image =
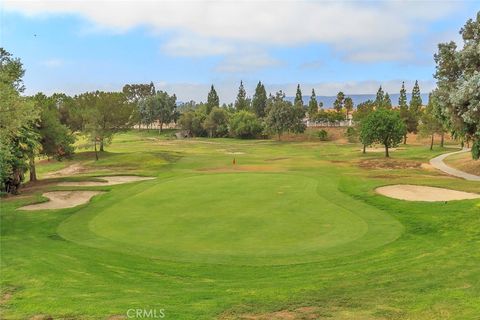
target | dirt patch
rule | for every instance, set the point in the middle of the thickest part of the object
(423, 193)
(246, 168)
(378, 150)
(71, 170)
(305, 313)
(62, 199)
(5, 298)
(386, 163)
(235, 152)
(427, 166)
(108, 181)
(41, 317)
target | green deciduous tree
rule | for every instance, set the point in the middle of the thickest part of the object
(216, 123)
(283, 116)
(360, 114)
(163, 107)
(136, 94)
(382, 126)
(363, 110)
(56, 140)
(245, 125)
(457, 74)
(106, 113)
(192, 122)
(11, 71)
(430, 124)
(18, 140)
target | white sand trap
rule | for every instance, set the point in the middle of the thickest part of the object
(63, 199)
(109, 181)
(422, 193)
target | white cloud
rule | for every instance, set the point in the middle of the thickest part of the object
(243, 62)
(189, 46)
(360, 31)
(53, 63)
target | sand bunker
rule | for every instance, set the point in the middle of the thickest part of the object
(109, 181)
(63, 199)
(73, 169)
(423, 193)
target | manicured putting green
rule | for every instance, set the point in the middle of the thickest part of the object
(237, 218)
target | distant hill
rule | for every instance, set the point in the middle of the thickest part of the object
(357, 98)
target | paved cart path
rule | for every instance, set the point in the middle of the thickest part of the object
(438, 163)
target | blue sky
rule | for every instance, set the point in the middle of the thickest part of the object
(184, 46)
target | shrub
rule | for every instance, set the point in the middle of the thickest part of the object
(245, 125)
(216, 123)
(351, 135)
(323, 135)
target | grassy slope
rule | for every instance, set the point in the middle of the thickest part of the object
(430, 272)
(464, 162)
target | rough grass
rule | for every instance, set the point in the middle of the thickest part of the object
(464, 162)
(429, 272)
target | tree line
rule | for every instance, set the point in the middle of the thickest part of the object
(453, 106)
(259, 116)
(40, 125)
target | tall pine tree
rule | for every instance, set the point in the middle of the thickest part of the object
(379, 100)
(403, 107)
(338, 103)
(415, 107)
(387, 102)
(259, 100)
(212, 100)
(312, 105)
(348, 105)
(298, 97)
(241, 103)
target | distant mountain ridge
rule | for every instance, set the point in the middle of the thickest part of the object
(357, 98)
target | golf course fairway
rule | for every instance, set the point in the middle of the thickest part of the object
(292, 230)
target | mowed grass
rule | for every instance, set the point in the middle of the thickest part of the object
(233, 218)
(292, 228)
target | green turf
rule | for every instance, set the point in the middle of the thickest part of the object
(241, 218)
(292, 225)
